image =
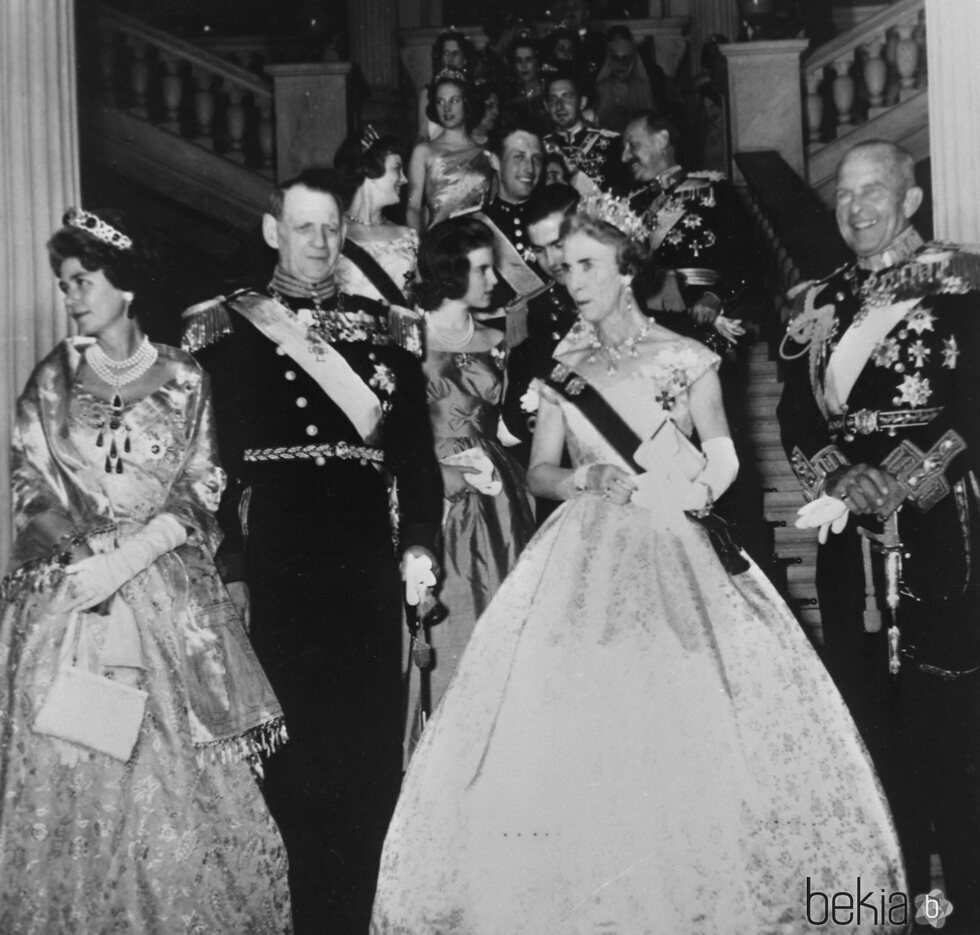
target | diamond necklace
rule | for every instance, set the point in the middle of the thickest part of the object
(118, 373)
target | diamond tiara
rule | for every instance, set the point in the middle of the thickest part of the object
(602, 206)
(94, 225)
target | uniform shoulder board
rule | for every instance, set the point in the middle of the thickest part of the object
(602, 131)
(710, 174)
(206, 323)
(407, 329)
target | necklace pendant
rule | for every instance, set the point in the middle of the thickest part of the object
(117, 402)
(126, 445)
(113, 453)
(100, 440)
(108, 465)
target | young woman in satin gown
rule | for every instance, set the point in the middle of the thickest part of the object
(484, 528)
(635, 741)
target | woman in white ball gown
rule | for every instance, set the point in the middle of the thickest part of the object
(636, 739)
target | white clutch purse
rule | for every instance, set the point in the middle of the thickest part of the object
(90, 710)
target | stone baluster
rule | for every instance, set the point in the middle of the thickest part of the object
(919, 35)
(906, 59)
(172, 89)
(814, 107)
(266, 132)
(204, 105)
(843, 88)
(875, 73)
(107, 65)
(892, 87)
(235, 124)
(139, 75)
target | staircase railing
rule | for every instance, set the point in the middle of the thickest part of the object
(175, 85)
(866, 71)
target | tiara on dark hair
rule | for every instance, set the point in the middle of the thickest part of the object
(368, 138)
(94, 225)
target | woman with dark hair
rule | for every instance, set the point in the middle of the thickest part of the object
(379, 257)
(132, 701)
(452, 172)
(525, 102)
(452, 51)
(488, 512)
(639, 737)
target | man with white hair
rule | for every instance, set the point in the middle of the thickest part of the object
(880, 418)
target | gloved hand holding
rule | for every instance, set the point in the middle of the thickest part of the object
(93, 579)
(827, 513)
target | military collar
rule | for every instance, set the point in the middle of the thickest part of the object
(902, 248)
(568, 136)
(286, 284)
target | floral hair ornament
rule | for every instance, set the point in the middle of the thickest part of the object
(94, 225)
(602, 206)
(368, 138)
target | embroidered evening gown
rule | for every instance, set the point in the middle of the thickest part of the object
(634, 741)
(398, 257)
(482, 535)
(178, 839)
(457, 181)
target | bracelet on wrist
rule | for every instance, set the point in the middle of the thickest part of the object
(708, 505)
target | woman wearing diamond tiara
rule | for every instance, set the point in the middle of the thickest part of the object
(379, 256)
(636, 739)
(488, 515)
(115, 484)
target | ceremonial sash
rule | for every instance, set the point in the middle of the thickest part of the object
(329, 370)
(374, 272)
(854, 350)
(624, 441)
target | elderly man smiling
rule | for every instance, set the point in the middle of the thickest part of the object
(880, 418)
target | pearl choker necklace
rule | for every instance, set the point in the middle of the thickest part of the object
(118, 373)
(453, 345)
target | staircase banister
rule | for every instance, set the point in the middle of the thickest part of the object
(186, 51)
(876, 24)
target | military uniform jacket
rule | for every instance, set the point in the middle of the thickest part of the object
(595, 152)
(697, 227)
(265, 402)
(911, 334)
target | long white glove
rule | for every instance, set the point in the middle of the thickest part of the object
(93, 579)
(828, 513)
(690, 487)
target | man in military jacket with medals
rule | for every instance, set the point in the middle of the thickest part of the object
(697, 230)
(317, 408)
(880, 418)
(593, 156)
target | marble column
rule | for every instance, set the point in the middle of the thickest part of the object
(952, 28)
(38, 180)
(765, 98)
(373, 27)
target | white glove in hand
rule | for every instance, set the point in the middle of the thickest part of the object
(93, 579)
(418, 577)
(827, 513)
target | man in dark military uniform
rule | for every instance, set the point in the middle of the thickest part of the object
(698, 230)
(881, 420)
(549, 316)
(317, 409)
(593, 157)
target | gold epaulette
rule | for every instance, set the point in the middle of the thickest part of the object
(407, 329)
(205, 323)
